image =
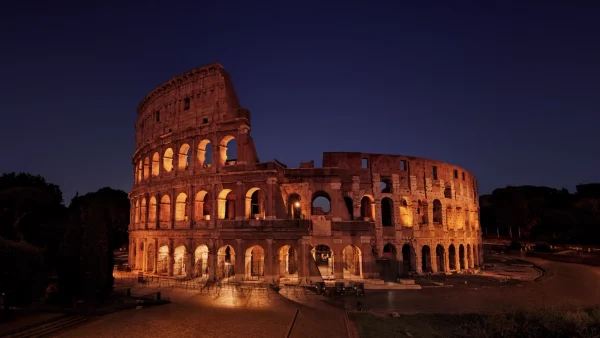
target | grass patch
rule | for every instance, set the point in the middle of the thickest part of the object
(565, 321)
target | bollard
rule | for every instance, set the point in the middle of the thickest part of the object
(158, 295)
(128, 292)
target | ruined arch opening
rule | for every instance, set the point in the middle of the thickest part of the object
(163, 260)
(226, 204)
(367, 208)
(324, 258)
(426, 258)
(201, 261)
(150, 257)
(437, 212)
(294, 206)
(408, 259)
(146, 168)
(204, 153)
(288, 262)
(405, 214)
(255, 262)
(387, 212)
(439, 254)
(153, 210)
(183, 157)
(202, 206)
(452, 257)
(225, 262)
(461, 256)
(389, 263)
(168, 160)
(228, 150)
(422, 212)
(349, 206)
(181, 207)
(321, 203)
(385, 185)
(155, 164)
(352, 262)
(447, 190)
(164, 214)
(180, 257)
(255, 204)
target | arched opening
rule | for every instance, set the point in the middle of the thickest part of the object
(447, 190)
(201, 261)
(408, 259)
(461, 256)
(349, 206)
(183, 158)
(406, 216)
(452, 257)
(294, 206)
(255, 262)
(439, 254)
(180, 207)
(321, 203)
(460, 219)
(168, 160)
(155, 164)
(179, 266)
(225, 262)
(352, 262)
(226, 204)
(136, 212)
(255, 204)
(324, 258)
(387, 212)
(163, 260)
(422, 212)
(204, 151)
(389, 268)
(202, 206)
(152, 211)
(140, 171)
(146, 168)
(385, 185)
(164, 214)
(143, 211)
(450, 218)
(288, 262)
(469, 257)
(367, 208)
(437, 212)
(228, 148)
(426, 258)
(150, 256)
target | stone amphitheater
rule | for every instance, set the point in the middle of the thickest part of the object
(204, 206)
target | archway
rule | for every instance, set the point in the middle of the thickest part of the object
(321, 203)
(426, 258)
(406, 216)
(163, 260)
(152, 211)
(324, 258)
(180, 207)
(228, 149)
(225, 262)
(387, 212)
(146, 168)
(143, 211)
(204, 155)
(168, 160)
(452, 257)
(202, 206)
(439, 254)
(179, 262)
(469, 257)
(461, 256)
(136, 212)
(164, 214)
(450, 218)
(155, 164)
(201, 261)
(408, 259)
(150, 257)
(183, 160)
(437, 212)
(367, 208)
(226, 204)
(352, 262)
(255, 262)
(288, 262)
(349, 206)
(294, 206)
(389, 263)
(255, 204)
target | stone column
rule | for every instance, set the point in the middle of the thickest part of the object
(145, 255)
(465, 258)
(303, 271)
(271, 181)
(240, 204)
(457, 257)
(240, 261)
(419, 259)
(171, 258)
(193, 155)
(269, 275)
(447, 259)
(172, 205)
(157, 211)
(191, 206)
(212, 260)
(338, 259)
(155, 265)
(433, 258)
(472, 262)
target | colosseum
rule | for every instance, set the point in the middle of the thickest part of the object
(205, 206)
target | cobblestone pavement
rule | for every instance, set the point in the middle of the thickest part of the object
(563, 283)
(249, 312)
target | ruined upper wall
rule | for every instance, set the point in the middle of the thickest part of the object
(195, 98)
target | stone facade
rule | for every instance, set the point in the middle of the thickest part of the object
(198, 212)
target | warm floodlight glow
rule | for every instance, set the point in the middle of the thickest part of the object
(297, 204)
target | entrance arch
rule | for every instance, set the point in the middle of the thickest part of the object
(179, 265)
(201, 261)
(367, 208)
(352, 262)
(255, 262)
(225, 262)
(387, 212)
(426, 258)
(389, 268)
(294, 206)
(408, 259)
(439, 254)
(150, 257)
(324, 258)
(255, 204)
(163, 260)
(461, 256)
(226, 204)
(288, 262)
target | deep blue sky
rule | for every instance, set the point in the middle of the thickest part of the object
(509, 91)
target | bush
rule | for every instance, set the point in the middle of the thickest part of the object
(542, 247)
(514, 245)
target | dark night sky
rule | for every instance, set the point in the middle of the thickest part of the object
(509, 91)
